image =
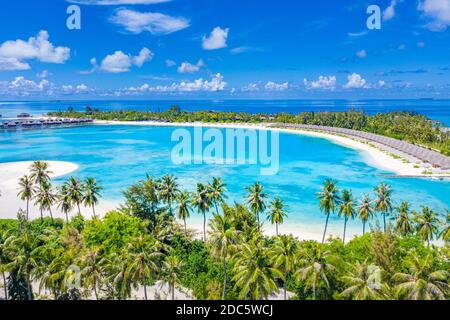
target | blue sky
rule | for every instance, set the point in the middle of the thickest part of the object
(196, 49)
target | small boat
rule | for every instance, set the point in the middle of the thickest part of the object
(24, 115)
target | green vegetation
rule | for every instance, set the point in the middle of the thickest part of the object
(142, 242)
(408, 126)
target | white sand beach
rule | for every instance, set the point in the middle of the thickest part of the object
(10, 173)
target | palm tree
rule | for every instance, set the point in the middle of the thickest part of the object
(217, 192)
(363, 282)
(365, 211)
(184, 207)
(40, 172)
(277, 213)
(75, 191)
(4, 260)
(144, 261)
(283, 254)
(26, 191)
(422, 283)
(172, 267)
(427, 224)
(92, 191)
(255, 200)
(114, 266)
(168, 190)
(347, 209)
(329, 199)
(55, 275)
(383, 202)
(45, 198)
(202, 202)
(91, 271)
(65, 203)
(21, 249)
(445, 234)
(254, 272)
(403, 223)
(222, 236)
(315, 268)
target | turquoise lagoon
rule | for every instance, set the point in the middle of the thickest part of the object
(120, 155)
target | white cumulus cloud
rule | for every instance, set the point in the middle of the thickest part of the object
(187, 67)
(23, 87)
(82, 88)
(217, 83)
(355, 81)
(153, 22)
(389, 12)
(323, 83)
(273, 86)
(438, 11)
(119, 62)
(144, 56)
(216, 40)
(170, 63)
(361, 54)
(15, 53)
(9, 64)
(250, 87)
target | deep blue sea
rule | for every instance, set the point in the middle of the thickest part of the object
(435, 109)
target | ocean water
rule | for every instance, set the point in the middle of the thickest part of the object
(119, 155)
(435, 109)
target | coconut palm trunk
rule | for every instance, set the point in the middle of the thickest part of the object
(204, 226)
(224, 276)
(364, 227)
(257, 219)
(276, 227)
(4, 286)
(314, 292)
(78, 206)
(326, 226)
(28, 207)
(345, 229)
(30, 288)
(185, 227)
(145, 289)
(173, 291)
(384, 221)
(93, 210)
(51, 214)
(42, 215)
(95, 288)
